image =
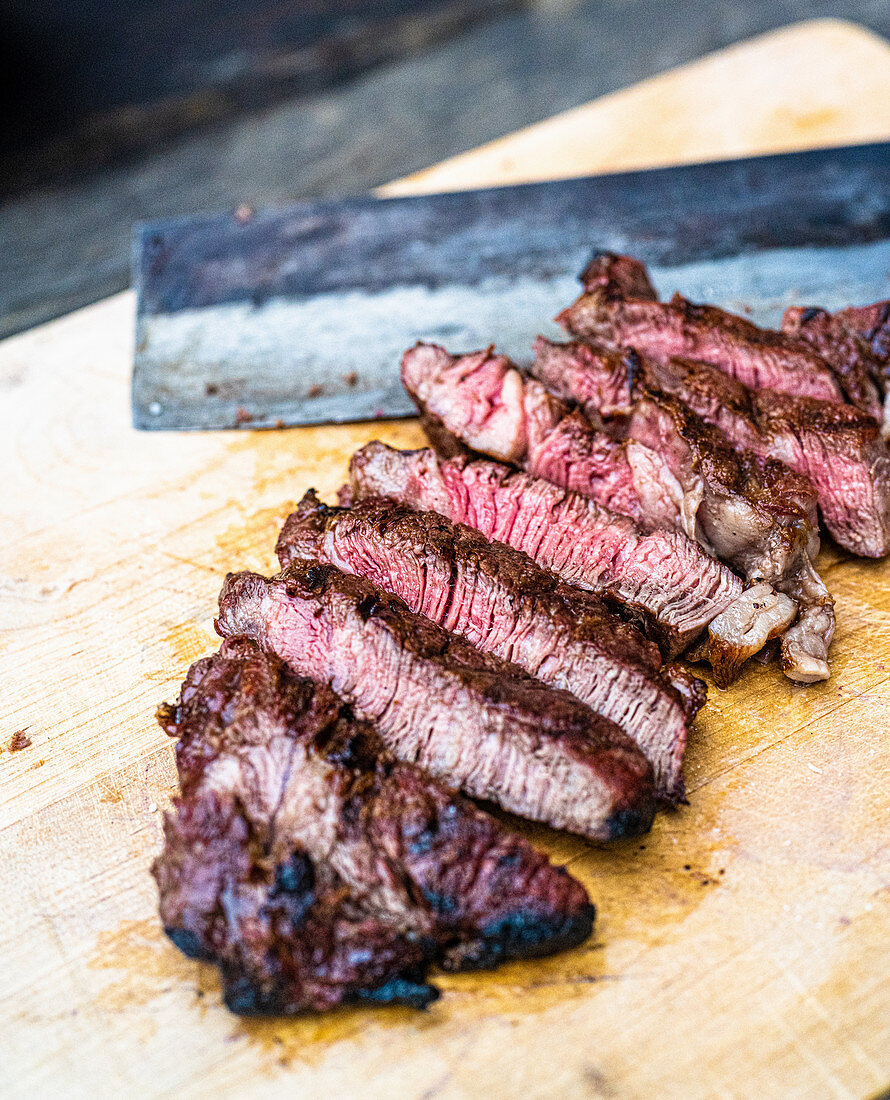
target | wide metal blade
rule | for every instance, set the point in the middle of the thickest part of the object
(299, 315)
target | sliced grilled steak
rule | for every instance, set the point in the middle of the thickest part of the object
(755, 513)
(610, 312)
(665, 467)
(286, 939)
(752, 511)
(480, 404)
(672, 470)
(315, 868)
(471, 719)
(596, 378)
(664, 574)
(501, 602)
(849, 356)
(871, 324)
(837, 447)
(625, 392)
(858, 340)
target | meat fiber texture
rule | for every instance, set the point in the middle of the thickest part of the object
(664, 467)
(751, 510)
(502, 603)
(472, 720)
(480, 403)
(316, 869)
(837, 447)
(619, 308)
(490, 408)
(661, 580)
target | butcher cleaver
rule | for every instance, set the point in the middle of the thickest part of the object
(299, 315)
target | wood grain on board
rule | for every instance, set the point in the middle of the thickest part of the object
(740, 948)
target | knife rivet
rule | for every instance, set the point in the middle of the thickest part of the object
(155, 408)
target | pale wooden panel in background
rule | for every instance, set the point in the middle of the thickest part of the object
(824, 82)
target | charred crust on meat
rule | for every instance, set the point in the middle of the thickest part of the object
(189, 943)
(523, 934)
(404, 990)
(442, 903)
(329, 922)
(599, 260)
(632, 821)
(293, 887)
(315, 578)
(368, 607)
(166, 716)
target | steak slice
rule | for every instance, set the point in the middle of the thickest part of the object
(848, 355)
(752, 511)
(314, 868)
(869, 326)
(872, 324)
(625, 392)
(672, 470)
(472, 720)
(286, 940)
(480, 404)
(663, 574)
(595, 378)
(502, 603)
(609, 312)
(839, 448)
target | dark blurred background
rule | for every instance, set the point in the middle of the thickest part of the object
(115, 112)
(91, 83)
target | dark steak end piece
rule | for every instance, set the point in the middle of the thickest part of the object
(664, 574)
(501, 602)
(285, 939)
(611, 313)
(470, 719)
(314, 868)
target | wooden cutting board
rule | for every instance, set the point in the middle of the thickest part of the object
(741, 948)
